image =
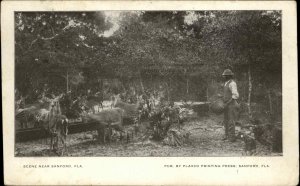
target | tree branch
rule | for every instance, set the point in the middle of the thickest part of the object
(54, 35)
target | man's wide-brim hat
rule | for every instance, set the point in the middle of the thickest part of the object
(227, 72)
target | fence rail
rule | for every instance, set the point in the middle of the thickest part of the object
(23, 135)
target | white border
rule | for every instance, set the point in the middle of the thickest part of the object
(148, 170)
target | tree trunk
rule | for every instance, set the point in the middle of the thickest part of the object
(168, 91)
(187, 85)
(270, 104)
(141, 82)
(249, 91)
(101, 87)
(245, 92)
(67, 81)
(207, 99)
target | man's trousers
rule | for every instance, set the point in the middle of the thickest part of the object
(230, 117)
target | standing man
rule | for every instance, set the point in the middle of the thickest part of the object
(231, 106)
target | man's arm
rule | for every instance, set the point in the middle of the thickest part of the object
(234, 92)
(233, 89)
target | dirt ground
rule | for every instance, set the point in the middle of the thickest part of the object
(205, 140)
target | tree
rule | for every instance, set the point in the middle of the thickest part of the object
(54, 46)
(60, 48)
(243, 40)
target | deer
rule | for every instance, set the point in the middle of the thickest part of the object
(21, 115)
(95, 100)
(130, 110)
(107, 119)
(55, 123)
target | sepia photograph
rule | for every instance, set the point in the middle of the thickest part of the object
(148, 83)
(150, 93)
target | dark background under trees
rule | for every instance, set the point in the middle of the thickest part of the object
(150, 51)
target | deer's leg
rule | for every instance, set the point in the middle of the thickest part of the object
(55, 144)
(101, 134)
(26, 120)
(59, 139)
(52, 142)
(64, 143)
(23, 124)
(121, 136)
(46, 139)
(132, 135)
(109, 133)
(104, 135)
(127, 137)
(136, 125)
(65, 140)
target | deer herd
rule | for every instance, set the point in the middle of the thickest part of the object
(108, 120)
